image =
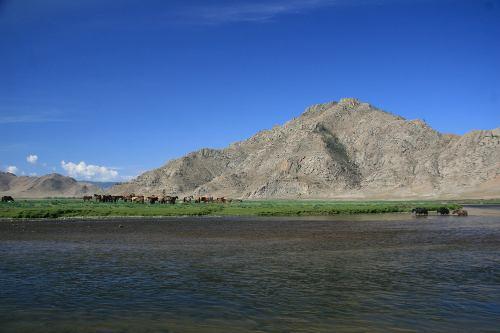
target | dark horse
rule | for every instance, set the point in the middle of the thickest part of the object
(420, 211)
(443, 211)
(171, 200)
(7, 198)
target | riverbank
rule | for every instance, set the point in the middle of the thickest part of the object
(66, 208)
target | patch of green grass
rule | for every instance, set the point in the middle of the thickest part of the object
(55, 208)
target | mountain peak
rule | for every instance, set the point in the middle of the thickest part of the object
(349, 102)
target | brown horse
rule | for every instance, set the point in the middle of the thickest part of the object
(460, 212)
(128, 198)
(205, 199)
(87, 198)
(139, 199)
(119, 197)
(152, 199)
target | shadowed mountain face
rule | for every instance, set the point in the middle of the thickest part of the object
(347, 149)
(52, 185)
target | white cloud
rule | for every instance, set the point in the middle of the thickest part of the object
(253, 11)
(42, 117)
(86, 171)
(32, 158)
(12, 169)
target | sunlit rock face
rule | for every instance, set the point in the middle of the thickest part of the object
(345, 149)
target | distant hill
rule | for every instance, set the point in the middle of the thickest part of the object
(345, 149)
(51, 185)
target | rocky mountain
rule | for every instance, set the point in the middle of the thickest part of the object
(52, 185)
(345, 149)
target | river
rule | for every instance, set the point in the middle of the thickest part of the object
(376, 273)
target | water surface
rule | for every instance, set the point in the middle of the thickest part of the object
(378, 273)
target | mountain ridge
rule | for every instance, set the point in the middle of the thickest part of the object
(50, 185)
(345, 149)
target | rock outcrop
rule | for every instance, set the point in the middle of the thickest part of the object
(347, 149)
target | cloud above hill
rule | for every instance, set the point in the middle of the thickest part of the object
(32, 159)
(86, 171)
(12, 169)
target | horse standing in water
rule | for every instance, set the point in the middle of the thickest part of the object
(420, 211)
(460, 212)
(443, 211)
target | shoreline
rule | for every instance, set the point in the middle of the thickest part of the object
(180, 217)
(64, 209)
(474, 211)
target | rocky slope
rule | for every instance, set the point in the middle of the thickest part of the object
(347, 149)
(52, 185)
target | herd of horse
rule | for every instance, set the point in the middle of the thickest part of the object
(418, 211)
(421, 211)
(153, 199)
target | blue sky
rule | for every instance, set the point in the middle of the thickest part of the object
(113, 88)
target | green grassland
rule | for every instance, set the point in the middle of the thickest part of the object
(56, 208)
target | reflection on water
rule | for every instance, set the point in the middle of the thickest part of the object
(344, 274)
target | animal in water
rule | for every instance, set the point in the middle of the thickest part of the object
(460, 212)
(87, 198)
(7, 198)
(443, 211)
(420, 211)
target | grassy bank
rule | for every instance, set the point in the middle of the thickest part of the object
(54, 208)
